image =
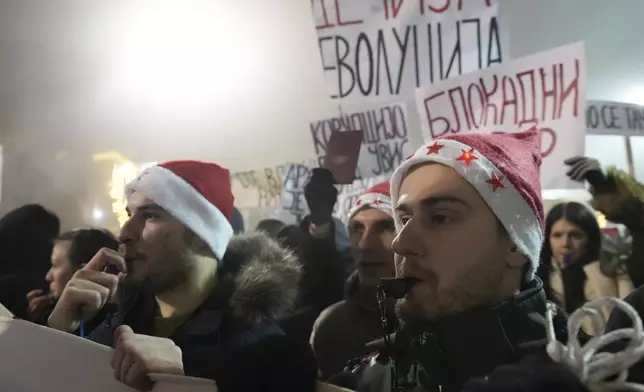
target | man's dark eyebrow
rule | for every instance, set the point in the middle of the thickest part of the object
(148, 208)
(434, 200)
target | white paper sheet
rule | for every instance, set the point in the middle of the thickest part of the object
(39, 359)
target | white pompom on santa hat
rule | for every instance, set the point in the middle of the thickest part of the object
(198, 194)
(378, 197)
(504, 170)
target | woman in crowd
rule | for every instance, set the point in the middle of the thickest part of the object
(570, 267)
(71, 251)
(26, 238)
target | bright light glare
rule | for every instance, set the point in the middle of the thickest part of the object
(634, 94)
(97, 214)
(178, 56)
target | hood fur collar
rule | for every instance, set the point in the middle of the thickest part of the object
(262, 278)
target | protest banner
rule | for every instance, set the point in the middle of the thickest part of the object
(387, 48)
(294, 203)
(546, 90)
(619, 119)
(614, 118)
(385, 143)
(296, 175)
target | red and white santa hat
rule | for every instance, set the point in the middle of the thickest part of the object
(377, 197)
(198, 194)
(504, 169)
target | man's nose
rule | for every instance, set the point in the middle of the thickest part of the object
(405, 244)
(128, 232)
(368, 240)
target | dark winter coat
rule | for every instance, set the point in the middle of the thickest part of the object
(342, 330)
(325, 270)
(534, 373)
(257, 285)
(446, 355)
(619, 320)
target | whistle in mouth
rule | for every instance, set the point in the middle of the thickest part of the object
(397, 287)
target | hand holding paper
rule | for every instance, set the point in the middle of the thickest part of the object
(137, 356)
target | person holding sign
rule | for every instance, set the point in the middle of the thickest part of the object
(470, 226)
(181, 276)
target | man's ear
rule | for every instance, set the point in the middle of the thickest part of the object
(516, 259)
(197, 245)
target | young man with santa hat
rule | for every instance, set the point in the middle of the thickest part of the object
(469, 221)
(187, 293)
(342, 330)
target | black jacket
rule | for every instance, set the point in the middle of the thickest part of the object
(257, 285)
(618, 320)
(446, 355)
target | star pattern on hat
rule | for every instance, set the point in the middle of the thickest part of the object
(359, 203)
(434, 148)
(378, 202)
(467, 157)
(411, 156)
(496, 182)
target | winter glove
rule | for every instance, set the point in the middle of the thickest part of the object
(321, 195)
(585, 169)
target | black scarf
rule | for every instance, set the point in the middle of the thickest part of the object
(574, 281)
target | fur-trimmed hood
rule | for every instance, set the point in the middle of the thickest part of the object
(261, 278)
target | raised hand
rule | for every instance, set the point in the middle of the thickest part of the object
(87, 292)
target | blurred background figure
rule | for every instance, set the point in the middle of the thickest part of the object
(570, 260)
(270, 227)
(26, 239)
(71, 251)
(237, 222)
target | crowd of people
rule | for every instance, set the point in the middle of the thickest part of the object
(446, 282)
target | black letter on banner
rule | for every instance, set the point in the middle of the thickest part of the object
(364, 40)
(403, 50)
(400, 125)
(609, 117)
(573, 88)
(325, 67)
(494, 38)
(382, 50)
(456, 54)
(592, 117)
(319, 143)
(343, 65)
(389, 131)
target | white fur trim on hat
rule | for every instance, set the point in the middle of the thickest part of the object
(185, 203)
(374, 200)
(505, 201)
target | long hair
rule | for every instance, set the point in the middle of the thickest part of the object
(573, 276)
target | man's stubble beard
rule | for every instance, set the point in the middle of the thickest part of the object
(167, 273)
(476, 287)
